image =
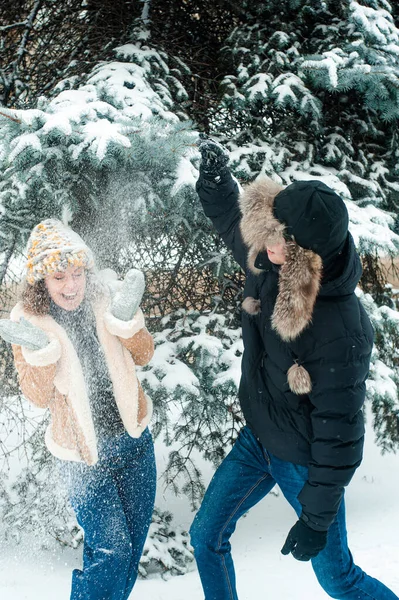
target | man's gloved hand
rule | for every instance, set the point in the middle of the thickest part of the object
(214, 157)
(126, 300)
(23, 333)
(304, 542)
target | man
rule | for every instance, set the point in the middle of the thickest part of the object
(307, 346)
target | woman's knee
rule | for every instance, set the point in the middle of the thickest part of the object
(116, 552)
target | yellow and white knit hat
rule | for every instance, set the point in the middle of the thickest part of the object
(52, 247)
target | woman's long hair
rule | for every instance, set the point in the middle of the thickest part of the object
(36, 299)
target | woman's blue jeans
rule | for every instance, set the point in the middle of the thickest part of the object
(113, 502)
(246, 476)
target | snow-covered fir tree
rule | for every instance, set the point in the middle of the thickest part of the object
(193, 381)
(318, 89)
(382, 388)
(44, 41)
(167, 548)
(115, 126)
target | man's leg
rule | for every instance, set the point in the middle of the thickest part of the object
(334, 567)
(239, 483)
(338, 574)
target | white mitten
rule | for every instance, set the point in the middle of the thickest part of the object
(23, 333)
(126, 300)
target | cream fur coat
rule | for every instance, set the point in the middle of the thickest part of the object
(53, 378)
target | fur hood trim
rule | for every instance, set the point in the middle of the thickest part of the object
(298, 286)
(300, 275)
(258, 225)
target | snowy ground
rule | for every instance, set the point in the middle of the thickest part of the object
(373, 526)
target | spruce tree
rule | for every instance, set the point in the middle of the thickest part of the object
(44, 41)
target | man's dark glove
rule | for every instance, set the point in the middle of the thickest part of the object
(214, 157)
(304, 542)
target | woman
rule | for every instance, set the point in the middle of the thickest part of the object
(75, 357)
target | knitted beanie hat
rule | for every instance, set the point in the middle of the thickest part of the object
(52, 247)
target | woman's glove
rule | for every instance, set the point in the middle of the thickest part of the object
(214, 157)
(127, 299)
(23, 333)
(304, 542)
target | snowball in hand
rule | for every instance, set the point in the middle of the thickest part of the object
(23, 333)
(127, 299)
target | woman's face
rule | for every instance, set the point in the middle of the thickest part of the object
(276, 253)
(67, 288)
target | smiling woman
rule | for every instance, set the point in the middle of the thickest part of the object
(76, 353)
(67, 288)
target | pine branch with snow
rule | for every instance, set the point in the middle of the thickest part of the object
(383, 382)
(167, 549)
(120, 127)
(193, 382)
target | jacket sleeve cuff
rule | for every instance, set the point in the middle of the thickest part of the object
(315, 526)
(124, 329)
(44, 357)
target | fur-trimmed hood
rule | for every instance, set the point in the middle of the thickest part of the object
(311, 212)
(300, 276)
(258, 225)
(319, 217)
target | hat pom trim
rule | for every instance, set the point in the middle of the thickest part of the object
(251, 306)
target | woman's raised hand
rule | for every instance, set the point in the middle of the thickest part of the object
(23, 333)
(127, 299)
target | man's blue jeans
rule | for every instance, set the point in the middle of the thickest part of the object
(246, 475)
(113, 502)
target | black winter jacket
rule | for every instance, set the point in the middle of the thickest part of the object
(324, 429)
